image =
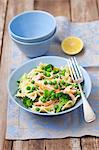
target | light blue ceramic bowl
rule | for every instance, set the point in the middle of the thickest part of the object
(34, 49)
(32, 26)
(26, 67)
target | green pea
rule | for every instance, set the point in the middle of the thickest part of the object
(37, 109)
(56, 76)
(61, 88)
(56, 106)
(50, 82)
(54, 82)
(56, 86)
(36, 73)
(37, 87)
(49, 69)
(43, 100)
(75, 85)
(63, 72)
(33, 82)
(58, 94)
(33, 88)
(67, 84)
(63, 82)
(43, 67)
(45, 82)
(55, 71)
(53, 94)
(52, 97)
(28, 87)
(60, 85)
(47, 98)
(47, 74)
(18, 81)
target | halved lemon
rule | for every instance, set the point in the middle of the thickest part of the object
(72, 45)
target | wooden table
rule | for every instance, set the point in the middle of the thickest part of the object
(76, 10)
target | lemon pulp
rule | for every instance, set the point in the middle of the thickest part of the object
(72, 45)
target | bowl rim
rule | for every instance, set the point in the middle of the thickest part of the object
(37, 40)
(32, 43)
(46, 114)
(28, 12)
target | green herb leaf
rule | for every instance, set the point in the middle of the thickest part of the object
(49, 68)
(27, 102)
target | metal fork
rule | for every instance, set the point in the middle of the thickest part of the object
(77, 77)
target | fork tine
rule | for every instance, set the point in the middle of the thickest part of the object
(68, 62)
(74, 74)
(75, 68)
(78, 67)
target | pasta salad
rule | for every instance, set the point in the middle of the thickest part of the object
(48, 89)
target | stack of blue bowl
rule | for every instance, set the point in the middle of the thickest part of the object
(33, 32)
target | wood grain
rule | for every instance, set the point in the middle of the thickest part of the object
(89, 143)
(56, 7)
(63, 144)
(97, 2)
(36, 145)
(20, 145)
(3, 8)
(83, 10)
(7, 145)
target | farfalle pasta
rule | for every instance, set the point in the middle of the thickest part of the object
(48, 89)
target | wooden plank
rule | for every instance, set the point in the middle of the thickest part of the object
(84, 10)
(97, 2)
(20, 145)
(75, 143)
(7, 145)
(36, 145)
(89, 143)
(56, 7)
(63, 144)
(3, 7)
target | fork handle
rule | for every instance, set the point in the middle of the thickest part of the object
(89, 114)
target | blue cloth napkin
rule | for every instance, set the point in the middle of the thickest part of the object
(24, 125)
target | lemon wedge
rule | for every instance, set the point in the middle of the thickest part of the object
(72, 45)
